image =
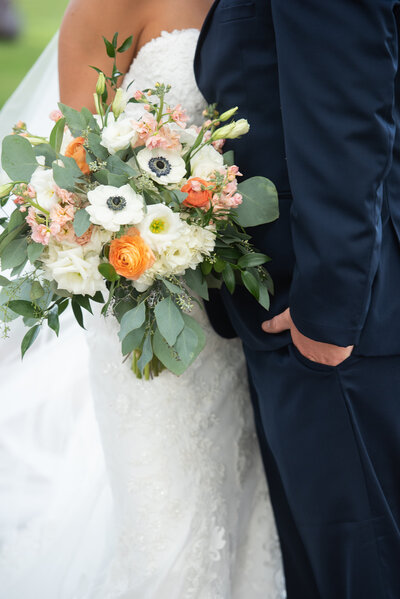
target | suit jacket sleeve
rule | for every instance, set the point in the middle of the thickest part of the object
(337, 62)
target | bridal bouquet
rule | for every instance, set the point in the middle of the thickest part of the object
(141, 215)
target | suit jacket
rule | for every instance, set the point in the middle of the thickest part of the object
(318, 81)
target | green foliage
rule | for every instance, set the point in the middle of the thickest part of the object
(133, 340)
(14, 253)
(75, 120)
(251, 283)
(34, 251)
(18, 158)
(260, 202)
(228, 276)
(147, 353)
(252, 259)
(169, 320)
(108, 271)
(133, 319)
(47, 152)
(81, 222)
(57, 135)
(196, 281)
(29, 339)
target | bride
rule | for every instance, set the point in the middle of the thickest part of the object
(191, 509)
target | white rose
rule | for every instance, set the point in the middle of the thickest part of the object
(160, 226)
(45, 187)
(74, 268)
(112, 206)
(118, 135)
(206, 161)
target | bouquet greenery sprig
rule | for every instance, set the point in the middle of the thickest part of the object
(132, 208)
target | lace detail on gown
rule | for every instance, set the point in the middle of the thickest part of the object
(191, 502)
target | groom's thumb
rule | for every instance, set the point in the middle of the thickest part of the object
(279, 323)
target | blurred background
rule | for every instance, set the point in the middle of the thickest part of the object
(26, 27)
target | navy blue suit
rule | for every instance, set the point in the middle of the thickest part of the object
(319, 82)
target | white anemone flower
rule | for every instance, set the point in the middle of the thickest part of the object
(112, 206)
(164, 166)
(44, 185)
(160, 227)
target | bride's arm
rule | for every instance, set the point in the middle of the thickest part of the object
(81, 44)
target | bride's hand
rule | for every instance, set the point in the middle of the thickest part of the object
(81, 44)
(316, 351)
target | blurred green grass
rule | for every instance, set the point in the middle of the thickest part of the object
(40, 19)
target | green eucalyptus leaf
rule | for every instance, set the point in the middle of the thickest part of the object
(16, 220)
(34, 251)
(260, 202)
(18, 158)
(37, 291)
(24, 308)
(81, 222)
(133, 319)
(14, 253)
(133, 340)
(47, 152)
(29, 339)
(195, 280)
(147, 353)
(95, 146)
(169, 320)
(4, 281)
(17, 270)
(119, 167)
(186, 345)
(172, 287)
(57, 135)
(229, 158)
(75, 120)
(101, 176)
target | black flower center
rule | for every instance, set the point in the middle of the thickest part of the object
(160, 166)
(116, 203)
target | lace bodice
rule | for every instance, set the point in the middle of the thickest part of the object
(168, 59)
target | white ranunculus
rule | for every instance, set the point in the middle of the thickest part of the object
(187, 250)
(164, 166)
(118, 135)
(74, 268)
(112, 206)
(206, 161)
(44, 185)
(160, 227)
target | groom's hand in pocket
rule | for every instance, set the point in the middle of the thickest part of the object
(316, 351)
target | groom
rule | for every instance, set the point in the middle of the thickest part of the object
(318, 81)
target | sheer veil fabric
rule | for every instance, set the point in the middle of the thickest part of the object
(178, 506)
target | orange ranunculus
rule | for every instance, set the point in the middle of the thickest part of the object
(76, 151)
(130, 255)
(197, 198)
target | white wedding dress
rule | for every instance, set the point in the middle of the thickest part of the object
(189, 515)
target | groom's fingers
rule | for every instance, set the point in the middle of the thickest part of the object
(281, 322)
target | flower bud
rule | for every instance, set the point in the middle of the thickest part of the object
(6, 189)
(101, 84)
(98, 105)
(119, 103)
(225, 116)
(231, 131)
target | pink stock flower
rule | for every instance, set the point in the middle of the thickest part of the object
(62, 214)
(40, 234)
(138, 95)
(62, 232)
(147, 107)
(56, 115)
(218, 144)
(19, 201)
(31, 217)
(65, 196)
(147, 126)
(85, 238)
(178, 115)
(30, 192)
(165, 138)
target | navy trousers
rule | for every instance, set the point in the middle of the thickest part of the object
(330, 440)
